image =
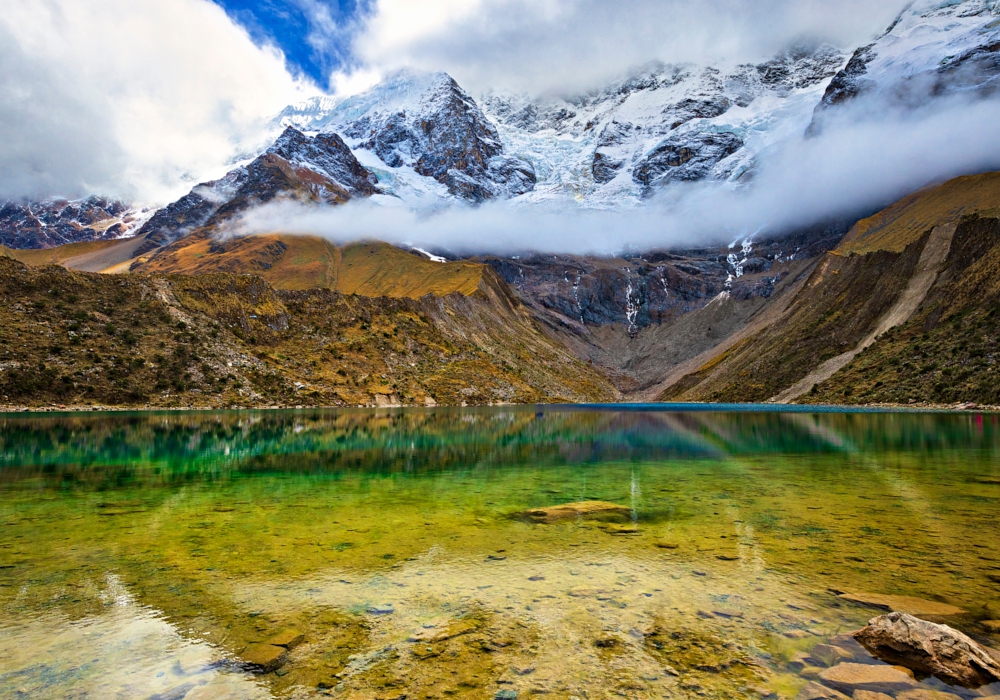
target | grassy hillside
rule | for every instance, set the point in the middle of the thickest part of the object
(307, 262)
(948, 351)
(921, 263)
(57, 255)
(213, 340)
(905, 222)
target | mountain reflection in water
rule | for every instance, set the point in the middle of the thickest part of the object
(389, 553)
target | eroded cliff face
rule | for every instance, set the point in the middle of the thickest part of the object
(652, 289)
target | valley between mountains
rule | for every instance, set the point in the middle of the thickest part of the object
(901, 310)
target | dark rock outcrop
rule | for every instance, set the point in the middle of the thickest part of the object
(930, 649)
(685, 157)
(318, 169)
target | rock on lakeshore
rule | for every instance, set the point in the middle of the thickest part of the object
(932, 649)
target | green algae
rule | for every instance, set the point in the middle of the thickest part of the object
(209, 533)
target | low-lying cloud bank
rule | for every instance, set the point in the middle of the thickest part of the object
(863, 161)
(567, 46)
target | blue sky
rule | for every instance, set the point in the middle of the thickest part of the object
(313, 34)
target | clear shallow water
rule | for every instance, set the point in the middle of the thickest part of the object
(143, 555)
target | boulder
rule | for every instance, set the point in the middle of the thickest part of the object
(931, 649)
(849, 677)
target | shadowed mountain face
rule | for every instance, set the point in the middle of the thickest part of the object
(319, 169)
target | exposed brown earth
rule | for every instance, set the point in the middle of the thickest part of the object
(72, 338)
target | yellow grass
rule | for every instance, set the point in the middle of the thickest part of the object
(906, 221)
(307, 262)
(59, 254)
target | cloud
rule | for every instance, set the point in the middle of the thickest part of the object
(132, 99)
(863, 161)
(573, 45)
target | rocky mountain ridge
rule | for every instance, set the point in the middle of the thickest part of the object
(314, 169)
(426, 124)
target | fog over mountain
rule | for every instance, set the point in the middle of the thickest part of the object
(499, 125)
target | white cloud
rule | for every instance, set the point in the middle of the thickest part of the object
(863, 161)
(132, 99)
(569, 45)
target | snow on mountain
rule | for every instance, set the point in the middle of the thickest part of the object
(427, 124)
(936, 48)
(667, 123)
(614, 147)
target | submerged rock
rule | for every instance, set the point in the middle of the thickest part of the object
(926, 694)
(266, 657)
(432, 635)
(932, 649)
(849, 677)
(288, 638)
(815, 691)
(582, 509)
(870, 695)
(903, 604)
(829, 654)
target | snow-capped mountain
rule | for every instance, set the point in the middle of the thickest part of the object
(937, 48)
(429, 143)
(426, 124)
(608, 148)
(59, 221)
(668, 123)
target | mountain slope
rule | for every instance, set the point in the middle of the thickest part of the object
(319, 169)
(898, 269)
(222, 340)
(947, 351)
(306, 262)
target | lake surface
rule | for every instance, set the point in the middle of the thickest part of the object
(362, 554)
